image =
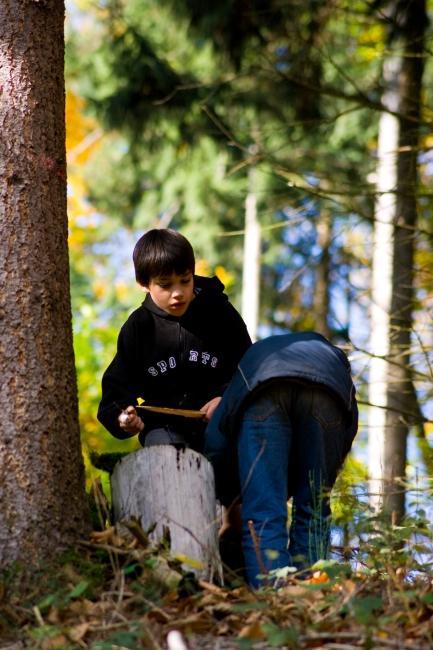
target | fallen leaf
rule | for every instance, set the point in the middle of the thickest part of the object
(189, 561)
(78, 632)
(53, 616)
(198, 623)
(252, 631)
(208, 586)
(71, 573)
(107, 536)
(58, 641)
(317, 578)
(223, 629)
(348, 586)
(295, 591)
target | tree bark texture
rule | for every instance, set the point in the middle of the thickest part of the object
(175, 490)
(42, 497)
(400, 394)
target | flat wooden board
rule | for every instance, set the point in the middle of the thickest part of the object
(184, 413)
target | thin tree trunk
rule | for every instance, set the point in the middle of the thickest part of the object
(42, 497)
(321, 293)
(251, 259)
(400, 391)
(393, 275)
(381, 281)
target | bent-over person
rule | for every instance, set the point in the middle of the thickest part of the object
(282, 430)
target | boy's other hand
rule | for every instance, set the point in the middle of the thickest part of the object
(209, 408)
(130, 422)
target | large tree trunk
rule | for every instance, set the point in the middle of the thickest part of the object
(42, 497)
(392, 290)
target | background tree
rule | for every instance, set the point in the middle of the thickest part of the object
(43, 507)
(391, 373)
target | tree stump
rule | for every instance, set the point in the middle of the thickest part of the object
(172, 489)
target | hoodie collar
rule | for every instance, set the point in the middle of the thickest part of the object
(153, 307)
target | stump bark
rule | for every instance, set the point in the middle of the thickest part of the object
(172, 489)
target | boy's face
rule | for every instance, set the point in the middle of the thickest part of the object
(172, 293)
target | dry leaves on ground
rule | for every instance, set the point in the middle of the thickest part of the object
(121, 593)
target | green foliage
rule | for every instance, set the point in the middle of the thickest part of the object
(278, 637)
(345, 501)
(365, 609)
(184, 150)
(123, 638)
(177, 159)
(63, 597)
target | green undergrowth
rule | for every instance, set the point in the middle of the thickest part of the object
(116, 591)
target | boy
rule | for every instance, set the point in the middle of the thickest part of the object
(179, 349)
(284, 426)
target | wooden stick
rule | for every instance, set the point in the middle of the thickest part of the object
(185, 413)
(256, 544)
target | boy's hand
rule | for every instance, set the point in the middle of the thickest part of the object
(209, 408)
(130, 422)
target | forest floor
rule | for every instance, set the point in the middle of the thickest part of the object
(116, 592)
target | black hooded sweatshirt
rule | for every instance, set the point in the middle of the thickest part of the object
(180, 362)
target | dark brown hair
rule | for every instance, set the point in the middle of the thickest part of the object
(162, 252)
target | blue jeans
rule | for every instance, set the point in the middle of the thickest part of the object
(292, 442)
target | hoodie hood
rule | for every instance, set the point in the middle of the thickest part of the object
(202, 284)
